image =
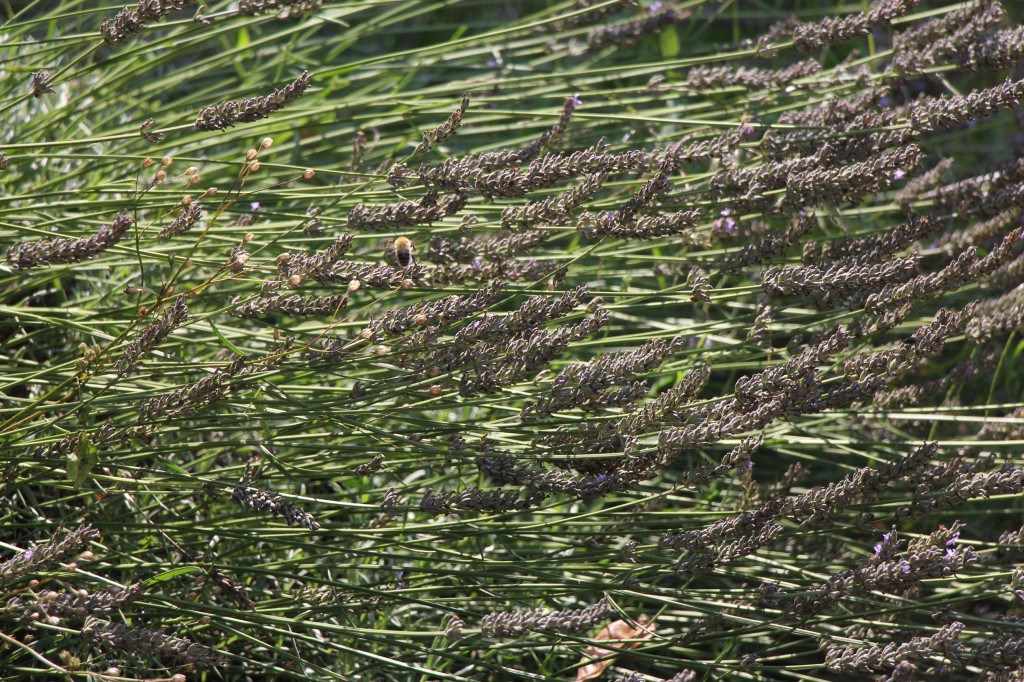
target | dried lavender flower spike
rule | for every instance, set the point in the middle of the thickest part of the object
(288, 9)
(442, 132)
(263, 501)
(24, 255)
(63, 544)
(152, 336)
(131, 20)
(183, 223)
(505, 624)
(227, 114)
(126, 639)
(42, 83)
(629, 32)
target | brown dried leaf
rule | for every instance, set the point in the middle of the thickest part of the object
(619, 629)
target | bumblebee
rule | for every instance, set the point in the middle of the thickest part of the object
(403, 251)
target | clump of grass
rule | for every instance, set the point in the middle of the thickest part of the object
(662, 342)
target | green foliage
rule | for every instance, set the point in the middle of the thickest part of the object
(268, 478)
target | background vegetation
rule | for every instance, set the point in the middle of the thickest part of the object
(250, 447)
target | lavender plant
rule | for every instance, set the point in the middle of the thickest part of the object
(658, 341)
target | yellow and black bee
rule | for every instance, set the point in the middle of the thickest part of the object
(403, 251)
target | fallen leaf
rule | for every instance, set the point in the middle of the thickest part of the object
(619, 629)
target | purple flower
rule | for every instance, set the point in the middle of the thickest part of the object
(746, 130)
(884, 102)
(398, 580)
(886, 537)
(492, 63)
(953, 538)
(898, 174)
(254, 206)
(27, 556)
(655, 7)
(477, 264)
(905, 568)
(575, 99)
(725, 212)
(725, 225)
(973, 122)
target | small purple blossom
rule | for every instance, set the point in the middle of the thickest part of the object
(953, 538)
(905, 568)
(724, 226)
(254, 206)
(886, 538)
(398, 580)
(746, 130)
(950, 553)
(493, 63)
(898, 174)
(884, 102)
(655, 7)
(575, 100)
